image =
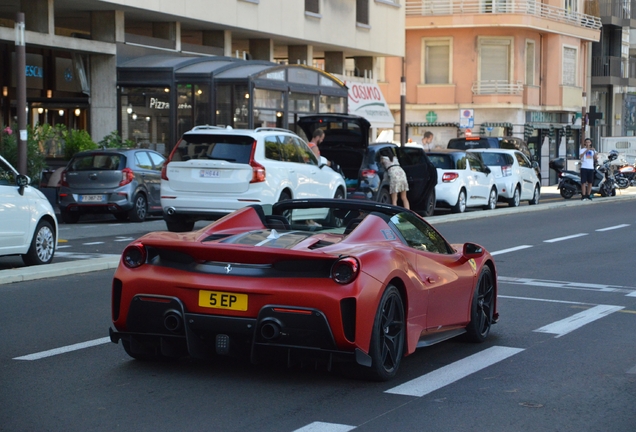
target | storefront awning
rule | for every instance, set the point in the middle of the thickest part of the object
(433, 124)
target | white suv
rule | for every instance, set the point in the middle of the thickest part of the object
(213, 171)
(28, 226)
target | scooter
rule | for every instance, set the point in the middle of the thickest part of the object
(570, 181)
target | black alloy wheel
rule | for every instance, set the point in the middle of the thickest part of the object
(482, 307)
(388, 336)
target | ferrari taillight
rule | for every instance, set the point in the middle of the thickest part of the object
(134, 255)
(449, 177)
(345, 270)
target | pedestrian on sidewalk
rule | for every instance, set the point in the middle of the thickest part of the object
(588, 156)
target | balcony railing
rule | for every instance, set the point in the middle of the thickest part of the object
(607, 66)
(618, 8)
(527, 7)
(497, 87)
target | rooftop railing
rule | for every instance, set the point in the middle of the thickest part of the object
(505, 87)
(527, 7)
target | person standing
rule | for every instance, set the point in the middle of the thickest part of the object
(398, 183)
(588, 157)
(427, 141)
(316, 138)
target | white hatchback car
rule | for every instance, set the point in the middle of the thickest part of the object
(515, 175)
(28, 226)
(463, 180)
(213, 171)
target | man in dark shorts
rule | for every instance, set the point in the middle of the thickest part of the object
(588, 157)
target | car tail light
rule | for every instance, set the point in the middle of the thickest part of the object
(368, 173)
(258, 172)
(134, 255)
(127, 175)
(63, 180)
(506, 170)
(449, 177)
(345, 270)
(164, 172)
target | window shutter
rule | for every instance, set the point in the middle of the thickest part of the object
(312, 6)
(529, 63)
(437, 64)
(495, 62)
(362, 11)
(569, 66)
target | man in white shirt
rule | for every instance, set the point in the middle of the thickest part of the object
(588, 156)
(427, 141)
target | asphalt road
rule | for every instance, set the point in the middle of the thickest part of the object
(562, 357)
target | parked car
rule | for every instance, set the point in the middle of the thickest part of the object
(346, 142)
(28, 226)
(123, 182)
(368, 283)
(515, 175)
(507, 142)
(213, 171)
(463, 180)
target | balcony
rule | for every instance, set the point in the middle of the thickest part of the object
(608, 70)
(524, 13)
(497, 87)
(617, 12)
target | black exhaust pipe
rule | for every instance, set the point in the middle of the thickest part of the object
(172, 320)
(270, 329)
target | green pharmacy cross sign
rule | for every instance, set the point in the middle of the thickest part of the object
(431, 117)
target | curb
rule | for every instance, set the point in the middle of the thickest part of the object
(96, 264)
(57, 269)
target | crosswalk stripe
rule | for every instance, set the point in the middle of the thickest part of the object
(325, 427)
(567, 325)
(454, 372)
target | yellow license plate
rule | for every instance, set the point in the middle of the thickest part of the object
(223, 300)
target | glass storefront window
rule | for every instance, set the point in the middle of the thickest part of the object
(146, 116)
(302, 103)
(193, 106)
(268, 99)
(332, 104)
(240, 106)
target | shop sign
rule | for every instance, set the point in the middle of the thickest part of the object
(366, 100)
(34, 71)
(543, 117)
(155, 103)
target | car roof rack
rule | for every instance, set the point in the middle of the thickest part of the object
(261, 129)
(207, 127)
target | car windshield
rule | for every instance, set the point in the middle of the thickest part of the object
(97, 161)
(442, 161)
(231, 148)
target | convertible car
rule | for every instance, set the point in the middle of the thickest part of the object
(327, 279)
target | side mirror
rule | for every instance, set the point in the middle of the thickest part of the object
(472, 250)
(487, 170)
(322, 162)
(22, 181)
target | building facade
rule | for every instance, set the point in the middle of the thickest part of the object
(74, 47)
(503, 67)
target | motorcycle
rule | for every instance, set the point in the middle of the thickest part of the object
(570, 181)
(626, 176)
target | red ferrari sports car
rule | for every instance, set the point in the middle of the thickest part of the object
(328, 279)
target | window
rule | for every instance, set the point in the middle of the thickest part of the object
(379, 70)
(530, 62)
(569, 66)
(142, 160)
(362, 12)
(7, 176)
(437, 61)
(312, 6)
(494, 59)
(419, 235)
(157, 161)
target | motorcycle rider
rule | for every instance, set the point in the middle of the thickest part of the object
(588, 156)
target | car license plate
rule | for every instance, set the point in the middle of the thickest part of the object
(223, 300)
(208, 173)
(92, 198)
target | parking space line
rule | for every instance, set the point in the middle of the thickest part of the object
(516, 248)
(325, 427)
(567, 325)
(64, 349)
(454, 372)
(93, 243)
(612, 227)
(558, 239)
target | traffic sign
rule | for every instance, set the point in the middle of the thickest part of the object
(466, 118)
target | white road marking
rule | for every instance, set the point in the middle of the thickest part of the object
(64, 349)
(544, 300)
(92, 243)
(62, 247)
(632, 370)
(124, 239)
(503, 251)
(567, 325)
(454, 372)
(325, 427)
(629, 291)
(558, 239)
(613, 227)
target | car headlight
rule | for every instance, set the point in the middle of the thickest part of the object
(345, 270)
(134, 255)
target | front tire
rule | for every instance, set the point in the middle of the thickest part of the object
(388, 336)
(482, 308)
(429, 204)
(42, 246)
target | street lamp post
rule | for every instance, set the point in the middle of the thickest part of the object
(20, 73)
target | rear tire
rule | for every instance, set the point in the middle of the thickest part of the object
(536, 196)
(460, 207)
(516, 198)
(140, 208)
(429, 204)
(384, 197)
(482, 307)
(492, 200)
(566, 193)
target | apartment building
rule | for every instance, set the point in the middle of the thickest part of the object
(504, 67)
(76, 49)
